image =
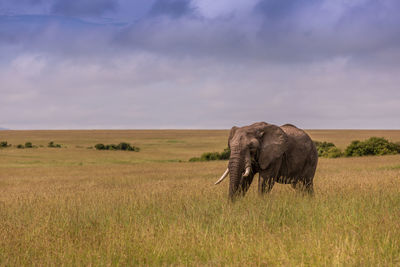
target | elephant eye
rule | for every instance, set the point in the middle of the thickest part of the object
(253, 146)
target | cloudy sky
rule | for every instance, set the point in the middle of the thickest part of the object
(199, 63)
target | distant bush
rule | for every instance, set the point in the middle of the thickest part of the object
(28, 145)
(121, 146)
(208, 156)
(127, 147)
(4, 144)
(333, 152)
(372, 146)
(100, 147)
(51, 144)
(225, 154)
(327, 150)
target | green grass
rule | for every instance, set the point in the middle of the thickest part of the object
(77, 206)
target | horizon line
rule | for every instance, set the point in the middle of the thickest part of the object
(188, 129)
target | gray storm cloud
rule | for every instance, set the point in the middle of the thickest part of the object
(198, 64)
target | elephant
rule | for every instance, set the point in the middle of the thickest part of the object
(284, 154)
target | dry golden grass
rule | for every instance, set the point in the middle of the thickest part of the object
(78, 206)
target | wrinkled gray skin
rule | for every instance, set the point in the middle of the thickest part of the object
(285, 155)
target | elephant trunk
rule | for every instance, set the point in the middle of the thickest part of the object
(236, 169)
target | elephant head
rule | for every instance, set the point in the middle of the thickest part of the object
(253, 148)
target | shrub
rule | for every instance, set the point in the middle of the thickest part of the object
(207, 156)
(20, 146)
(210, 156)
(333, 152)
(51, 144)
(4, 144)
(100, 146)
(327, 150)
(121, 146)
(397, 147)
(372, 146)
(225, 154)
(124, 146)
(127, 147)
(28, 145)
(111, 147)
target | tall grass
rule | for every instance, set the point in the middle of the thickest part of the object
(119, 209)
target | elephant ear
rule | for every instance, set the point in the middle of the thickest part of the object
(231, 134)
(274, 142)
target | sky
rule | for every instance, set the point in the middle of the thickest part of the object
(199, 64)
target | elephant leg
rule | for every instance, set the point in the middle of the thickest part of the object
(299, 186)
(308, 186)
(269, 176)
(295, 185)
(265, 183)
(270, 183)
(308, 174)
(246, 183)
(304, 186)
(307, 182)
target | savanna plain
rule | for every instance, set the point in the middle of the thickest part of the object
(78, 206)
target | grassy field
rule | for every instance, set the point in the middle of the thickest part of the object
(79, 206)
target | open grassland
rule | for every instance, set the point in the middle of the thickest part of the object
(78, 206)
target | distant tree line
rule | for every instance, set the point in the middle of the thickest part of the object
(5, 144)
(121, 146)
(370, 147)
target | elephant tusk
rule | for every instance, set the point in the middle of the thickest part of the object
(223, 176)
(247, 172)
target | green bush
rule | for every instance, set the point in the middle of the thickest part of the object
(4, 144)
(225, 154)
(210, 156)
(51, 144)
(327, 150)
(121, 146)
(28, 145)
(100, 147)
(111, 147)
(372, 146)
(126, 147)
(207, 156)
(333, 152)
(397, 147)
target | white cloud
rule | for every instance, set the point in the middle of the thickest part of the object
(151, 91)
(213, 9)
(324, 65)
